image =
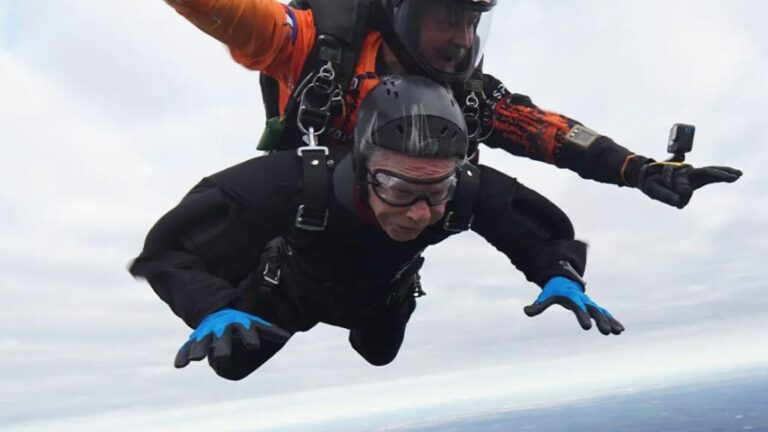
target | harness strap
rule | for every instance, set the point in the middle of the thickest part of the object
(460, 211)
(341, 26)
(472, 99)
(312, 214)
(347, 22)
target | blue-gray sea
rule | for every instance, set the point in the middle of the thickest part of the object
(738, 403)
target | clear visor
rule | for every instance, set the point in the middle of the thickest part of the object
(446, 38)
(401, 191)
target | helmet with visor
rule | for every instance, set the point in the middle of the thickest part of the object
(441, 39)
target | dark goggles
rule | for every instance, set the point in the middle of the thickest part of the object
(401, 191)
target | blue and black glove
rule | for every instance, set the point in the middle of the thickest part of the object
(570, 295)
(214, 335)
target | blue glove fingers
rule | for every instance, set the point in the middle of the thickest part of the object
(182, 357)
(566, 293)
(199, 349)
(575, 304)
(273, 333)
(537, 307)
(249, 337)
(616, 327)
(606, 323)
(603, 325)
(605, 312)
(569, 294)
(212, 324)
(258, 320)
(581, 315)
(217, 322)
(578, 309)
(222, 345)
(214, 335)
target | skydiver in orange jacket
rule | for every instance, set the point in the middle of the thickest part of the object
(441, 39)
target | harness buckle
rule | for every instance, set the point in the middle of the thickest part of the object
(271, 276)
(311, 139)
(311, 220)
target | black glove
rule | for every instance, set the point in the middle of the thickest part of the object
(673, 183)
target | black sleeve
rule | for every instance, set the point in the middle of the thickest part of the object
(515, 124)
(195, 256)
(529, 229)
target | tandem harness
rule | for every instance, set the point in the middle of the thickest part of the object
(341, 26)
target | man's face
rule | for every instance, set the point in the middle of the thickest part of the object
(406, 223)
(447, 34)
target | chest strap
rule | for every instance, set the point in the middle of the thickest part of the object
(341, 26)
(312, 214)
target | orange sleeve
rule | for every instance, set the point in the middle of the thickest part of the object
(261, 34)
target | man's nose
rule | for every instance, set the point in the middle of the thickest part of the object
(463, 36)
(419, 211)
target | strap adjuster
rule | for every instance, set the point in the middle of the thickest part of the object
(272, 276)
(300, 151)
(311, 220)
(459, 225)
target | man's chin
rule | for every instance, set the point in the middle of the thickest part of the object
(403, 234)
(447, 66)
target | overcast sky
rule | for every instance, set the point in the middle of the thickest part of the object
(111, 111)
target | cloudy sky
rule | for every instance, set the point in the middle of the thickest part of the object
(110, 111)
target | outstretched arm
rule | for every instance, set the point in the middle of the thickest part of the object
(197, 253)
(528, 228)
(194, 258)
(538, 239)
(518, 126)
(204, 259)
(260, 34)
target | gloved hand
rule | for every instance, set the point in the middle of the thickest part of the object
(673, 183)
(569, 294)
(218, 329)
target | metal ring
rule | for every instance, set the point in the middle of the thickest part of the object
(472, 100)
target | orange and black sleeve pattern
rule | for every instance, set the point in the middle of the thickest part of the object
(519, 127)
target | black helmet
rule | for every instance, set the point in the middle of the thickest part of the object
(412, 115)
(441, 39)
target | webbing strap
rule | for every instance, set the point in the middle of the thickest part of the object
(460, 211)
(312, 214)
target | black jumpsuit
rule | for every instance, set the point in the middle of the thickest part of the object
(209, 253)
